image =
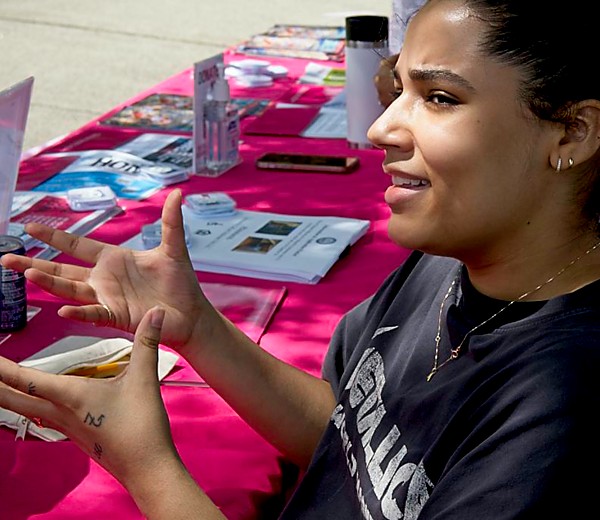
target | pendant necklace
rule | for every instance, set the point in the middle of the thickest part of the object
(454, 353)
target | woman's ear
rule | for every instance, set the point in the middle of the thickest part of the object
(581, 139)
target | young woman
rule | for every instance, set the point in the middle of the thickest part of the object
(466, 386)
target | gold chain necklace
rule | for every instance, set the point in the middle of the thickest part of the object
(456, 351)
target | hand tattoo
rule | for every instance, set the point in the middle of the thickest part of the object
(98, 450)
(92, 421)
(31, 390)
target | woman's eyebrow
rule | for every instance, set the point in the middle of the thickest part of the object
(440, 75)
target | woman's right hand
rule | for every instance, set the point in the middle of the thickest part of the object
(122, 284)
(384, 80)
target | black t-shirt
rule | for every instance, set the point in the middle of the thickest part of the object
(505, 431)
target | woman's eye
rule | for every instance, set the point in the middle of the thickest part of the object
(441, 98)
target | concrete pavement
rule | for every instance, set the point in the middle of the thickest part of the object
(89, 55)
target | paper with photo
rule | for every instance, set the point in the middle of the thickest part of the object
(271, 246)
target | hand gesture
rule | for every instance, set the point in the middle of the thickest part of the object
(123, 284)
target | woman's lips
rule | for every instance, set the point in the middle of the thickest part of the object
(403, 189)
(410, 182)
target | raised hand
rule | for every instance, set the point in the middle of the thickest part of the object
(384, 80)
(122, 284)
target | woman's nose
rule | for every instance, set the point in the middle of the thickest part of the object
(387, 129)
(378, 129)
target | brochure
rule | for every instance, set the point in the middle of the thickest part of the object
(271, 246)
(129, 176)
(53, 211)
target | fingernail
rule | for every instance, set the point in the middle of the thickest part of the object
(157, 317)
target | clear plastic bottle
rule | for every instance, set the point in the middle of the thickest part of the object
(222, 128)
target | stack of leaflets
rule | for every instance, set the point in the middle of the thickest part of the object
(298, 41)
(269, 246)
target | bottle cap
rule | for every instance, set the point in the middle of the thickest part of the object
(367, 28)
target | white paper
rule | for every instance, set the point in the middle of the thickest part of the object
(14, 108)
(268, 245)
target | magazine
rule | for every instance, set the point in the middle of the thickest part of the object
(55, 212)
(331, 32)
(294, 47)
(270, 246)
(157, 112)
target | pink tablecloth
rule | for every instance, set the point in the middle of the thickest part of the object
(245, 476)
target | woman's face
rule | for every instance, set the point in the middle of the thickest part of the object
(468, 162)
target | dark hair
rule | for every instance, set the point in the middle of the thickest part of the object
(556, 49)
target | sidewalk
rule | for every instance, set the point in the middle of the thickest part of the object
(89, 55)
